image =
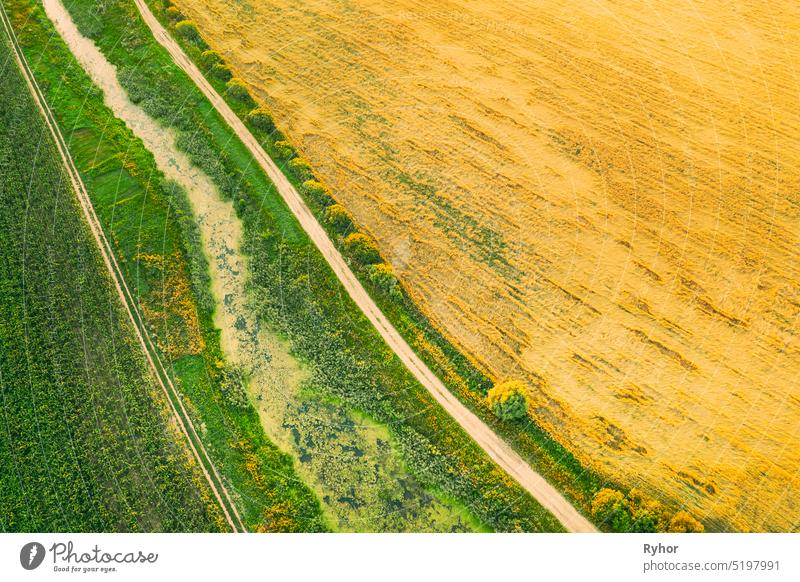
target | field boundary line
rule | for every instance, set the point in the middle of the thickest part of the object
(179, 411)
(497, 449)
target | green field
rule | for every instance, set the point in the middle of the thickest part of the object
(156, 243)
(86, 443)
(296, 294)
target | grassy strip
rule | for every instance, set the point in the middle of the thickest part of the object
(297, 294)
(462, 376)
(87, 443)
(149, 222)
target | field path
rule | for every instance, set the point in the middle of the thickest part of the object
(494, 446)
(177, 408)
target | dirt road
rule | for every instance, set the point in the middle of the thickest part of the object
(159, 373)
(494, 446)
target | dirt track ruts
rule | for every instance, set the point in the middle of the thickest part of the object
(492, 444)
(159, 373)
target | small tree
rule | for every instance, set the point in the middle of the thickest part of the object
(508, 400)
(683, 522)
(647, 515)
(237, 89)
(609, 508)
(362, 248)
(188, 30)
(261, 118)
(339, 218)
(384, 278)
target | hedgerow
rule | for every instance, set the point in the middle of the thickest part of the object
(633, 512)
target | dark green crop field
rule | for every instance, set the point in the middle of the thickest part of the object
(86, 443)
(155, 239)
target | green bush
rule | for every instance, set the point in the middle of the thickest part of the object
(188, 30)
(382, 276)
(174, 14)
(284, 149)
(261, 118)
(633, 512)
(317, 191)
(339, 218)
(508, 400)
(222, 72)
(210, 58)
(647, 515)
(362, 248)
(610, 509)
(232, 384)
(301, 168)
(237, 89)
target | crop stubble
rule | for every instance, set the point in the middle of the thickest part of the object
(601, 198)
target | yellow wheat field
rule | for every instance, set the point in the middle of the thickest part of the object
(601, 197)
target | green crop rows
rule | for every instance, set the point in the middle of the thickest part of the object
(85, 440)
(147, 221)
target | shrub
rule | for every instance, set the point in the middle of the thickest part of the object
(284, 149)
(233, 388)
(210, 58)
(222, 72)
(682, 522)
(647, 515)
(301, 168)
(319, 192)
(508, 400)
(237, 89)
(362, 248)
(339, 218)
(261, 118)
(188, 30)
(635, 513)
(646, 520)
(382, 276)
(174, 14)
(609, 508)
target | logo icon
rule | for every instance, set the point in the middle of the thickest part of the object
(31, 555)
